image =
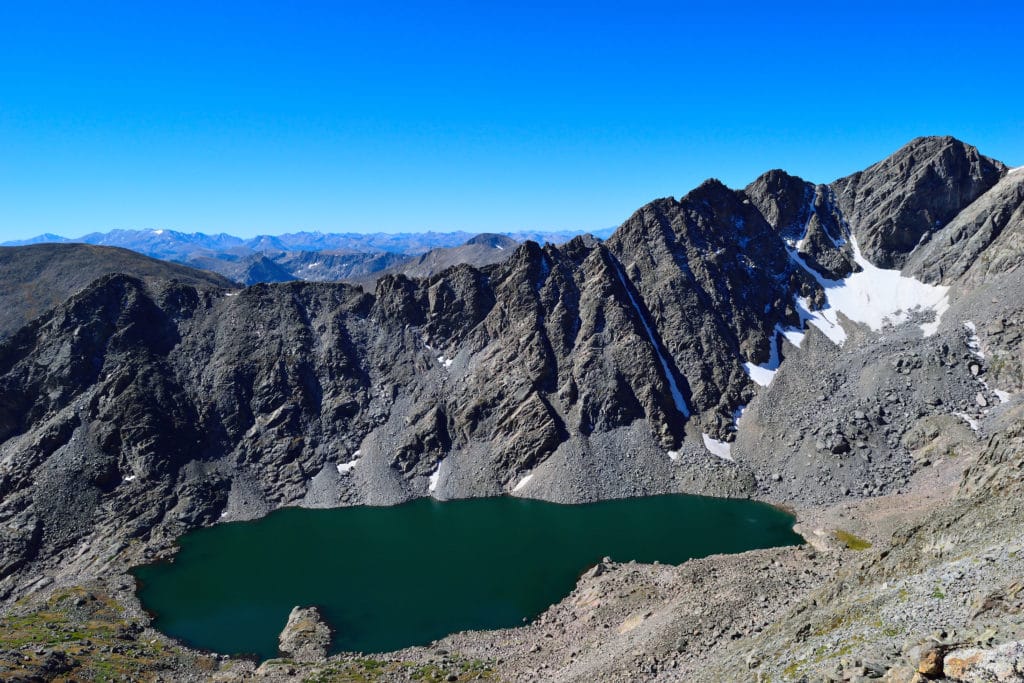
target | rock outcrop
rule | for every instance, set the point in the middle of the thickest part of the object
(306, 637)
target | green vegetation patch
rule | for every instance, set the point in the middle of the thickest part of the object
(850, 541)
(76, 635)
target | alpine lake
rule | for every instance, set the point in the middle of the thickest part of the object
(386, 578)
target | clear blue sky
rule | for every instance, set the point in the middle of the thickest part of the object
(478, 116)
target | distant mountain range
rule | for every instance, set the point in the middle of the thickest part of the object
(313, 256)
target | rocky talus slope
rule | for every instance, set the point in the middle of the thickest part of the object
(750, 342)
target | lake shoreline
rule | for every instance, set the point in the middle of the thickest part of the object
(511, 558)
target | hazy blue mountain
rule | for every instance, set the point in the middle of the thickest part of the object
(45, 238)
(178, 246)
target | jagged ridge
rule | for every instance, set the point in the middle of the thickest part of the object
(150, 408)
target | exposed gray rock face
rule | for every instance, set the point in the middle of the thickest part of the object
(306, 636)
(363, 268)
(288, 266)
(806, 217)
(784, 201)
(149, 409)
(895, 204)
(714, 279)
(328, 266)
(981, 665)
(986, 238)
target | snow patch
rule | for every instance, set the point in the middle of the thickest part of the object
(435, 478)
(346, 467)
(545, 270)
(1003, 396)
(874, 296)
(764, 374)
(971, 422)
(736, 415)
(677, 396)
(1014, 170)
(158, 232)
(973, 343)
(825, 319)
(761, 374)
(673, 455)
(131, 477)
(525, 480)
(445, 361)
(718, 448)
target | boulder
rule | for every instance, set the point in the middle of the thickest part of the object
(931, 662)
(1003, 663)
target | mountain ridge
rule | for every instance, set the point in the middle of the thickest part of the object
(306, 255)
(34, 278)
(725, 343)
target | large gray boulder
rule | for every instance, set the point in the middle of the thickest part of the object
(306, 636)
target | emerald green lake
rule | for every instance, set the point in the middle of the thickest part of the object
(391, 577)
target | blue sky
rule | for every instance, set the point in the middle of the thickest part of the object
(258, 118)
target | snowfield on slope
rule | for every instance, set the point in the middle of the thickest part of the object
(435, 478)
(525, 480)
(718, 448)
(875, 296)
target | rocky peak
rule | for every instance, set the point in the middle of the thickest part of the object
(399, 299)
(784, 200)
(260, 268)
(902, 200)
(712, 191)
(581, 244)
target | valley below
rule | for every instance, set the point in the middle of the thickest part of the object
(850, 353)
